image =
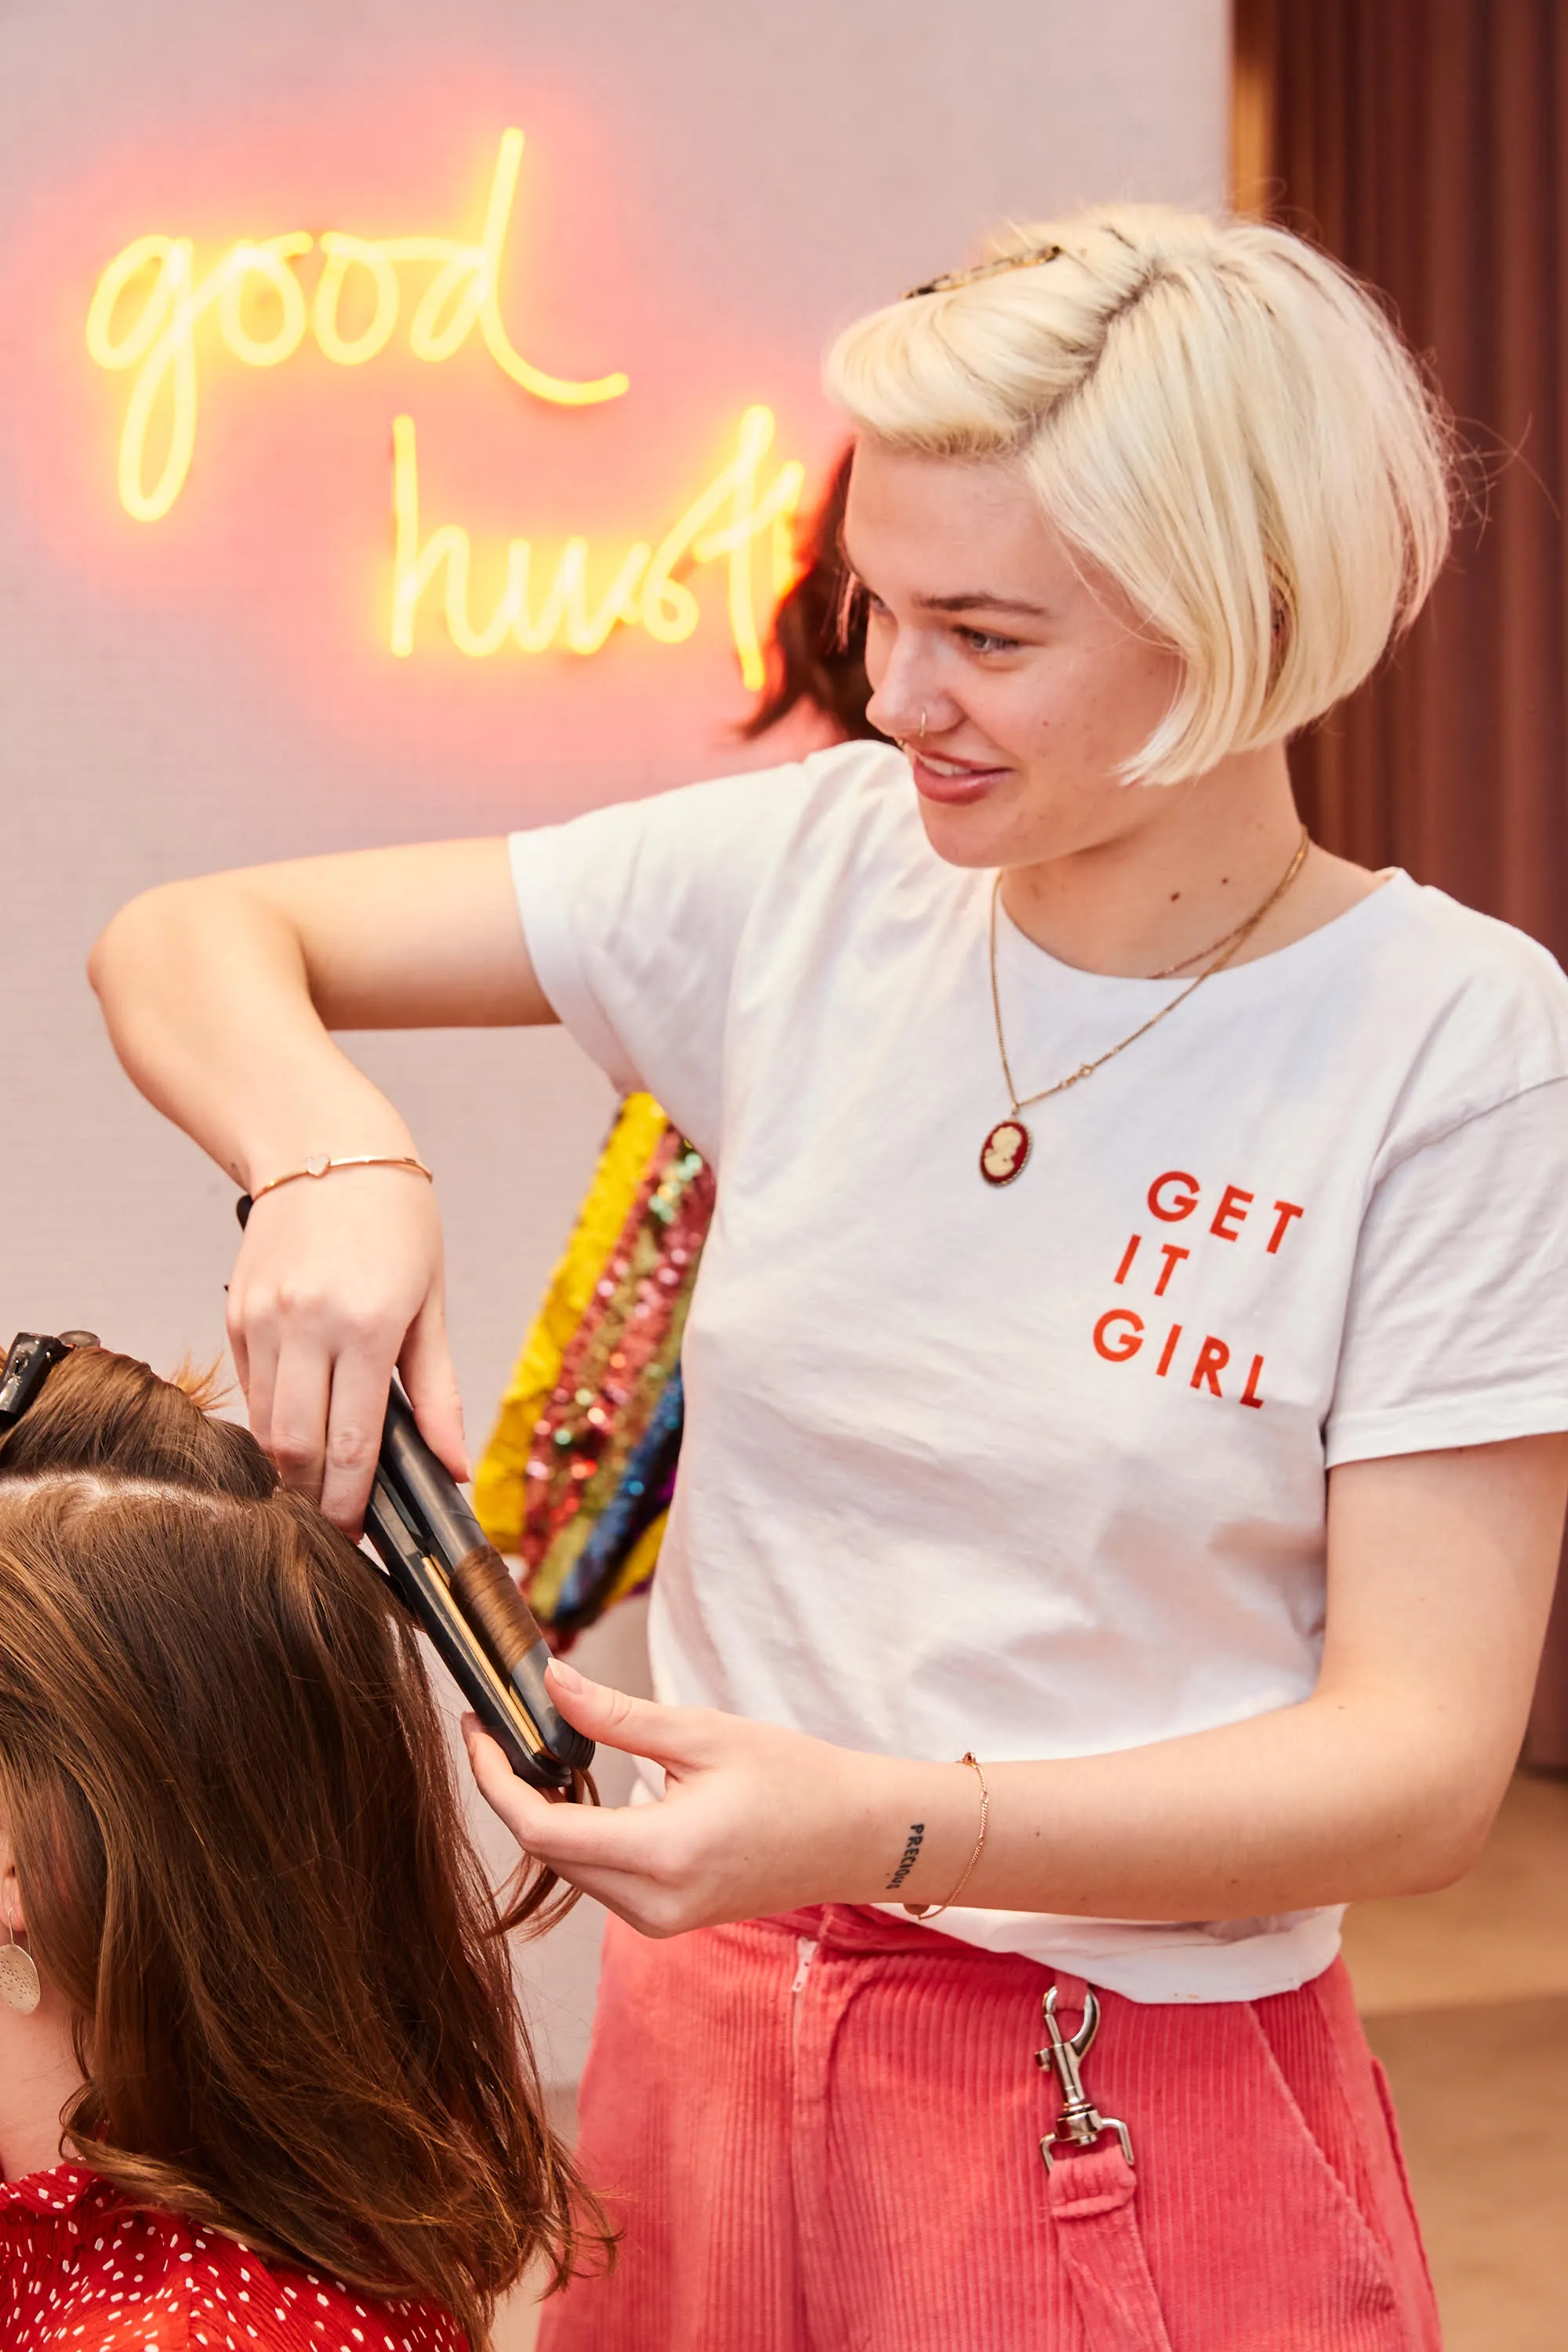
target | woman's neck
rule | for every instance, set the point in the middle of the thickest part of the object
(1202, 857)
(38, 2074)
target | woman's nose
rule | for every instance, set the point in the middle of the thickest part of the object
(905, 706)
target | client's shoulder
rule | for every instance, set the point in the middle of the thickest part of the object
(88, 2269)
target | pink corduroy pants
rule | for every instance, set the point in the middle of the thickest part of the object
(821, 2133)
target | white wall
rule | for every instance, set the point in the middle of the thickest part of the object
(708, 190)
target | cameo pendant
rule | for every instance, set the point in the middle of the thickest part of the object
(1005, 1151)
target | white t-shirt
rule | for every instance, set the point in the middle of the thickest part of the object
(1040, 1470)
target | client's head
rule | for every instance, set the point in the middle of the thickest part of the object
(234, 1844)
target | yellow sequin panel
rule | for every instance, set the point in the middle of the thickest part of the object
(500, 1497)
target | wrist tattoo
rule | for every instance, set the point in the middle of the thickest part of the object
(907, 1859)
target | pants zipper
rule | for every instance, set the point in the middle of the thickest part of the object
(806, 1952)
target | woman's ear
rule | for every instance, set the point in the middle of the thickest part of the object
(21, 1987)
(11, 1913)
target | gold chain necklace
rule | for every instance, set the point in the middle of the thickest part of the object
(1005, 1151)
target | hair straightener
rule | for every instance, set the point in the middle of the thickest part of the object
(443, 1566)
(455, 1584)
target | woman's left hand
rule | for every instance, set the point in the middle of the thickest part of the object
(755, 1820)
(1383, 1781)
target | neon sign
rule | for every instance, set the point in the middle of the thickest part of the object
(644, 589)
(143, 319)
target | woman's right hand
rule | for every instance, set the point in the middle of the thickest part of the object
(338, 1281)
(220, 996)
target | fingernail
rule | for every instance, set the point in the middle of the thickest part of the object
(567, 1677)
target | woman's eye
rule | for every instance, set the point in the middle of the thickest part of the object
(987, 641)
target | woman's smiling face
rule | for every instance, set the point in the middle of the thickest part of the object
(1034, 681)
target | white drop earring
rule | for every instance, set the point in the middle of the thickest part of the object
(20, 1985)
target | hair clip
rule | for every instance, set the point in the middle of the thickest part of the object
(28, 1361)
(1033, 260)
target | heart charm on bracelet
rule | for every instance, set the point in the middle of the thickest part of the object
(1005, 1151)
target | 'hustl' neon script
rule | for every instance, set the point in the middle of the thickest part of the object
(157, 341)
(644, 589)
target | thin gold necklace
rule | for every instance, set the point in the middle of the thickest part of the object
(1005, 1151)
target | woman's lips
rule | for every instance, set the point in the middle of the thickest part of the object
(954, 786)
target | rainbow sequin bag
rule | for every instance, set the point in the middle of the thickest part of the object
(578, 1474)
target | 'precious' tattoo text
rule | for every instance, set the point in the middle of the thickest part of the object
(907, 1859)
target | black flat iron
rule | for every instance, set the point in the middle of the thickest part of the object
(455, 1584)
(444, 1567)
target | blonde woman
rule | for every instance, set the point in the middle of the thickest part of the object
(1123, 1468)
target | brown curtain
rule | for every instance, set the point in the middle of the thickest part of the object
(1422, 142)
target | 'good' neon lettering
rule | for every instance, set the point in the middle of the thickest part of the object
(154, 280)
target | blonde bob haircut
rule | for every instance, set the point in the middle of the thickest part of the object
(1216, 418)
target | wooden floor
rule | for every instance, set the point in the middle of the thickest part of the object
(1465, 1996)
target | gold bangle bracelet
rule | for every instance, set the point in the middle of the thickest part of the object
(325, 1167)
(930, 1910)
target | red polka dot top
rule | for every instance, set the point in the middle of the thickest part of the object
(82, 2269)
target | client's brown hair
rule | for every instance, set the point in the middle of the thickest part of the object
(242, 1862)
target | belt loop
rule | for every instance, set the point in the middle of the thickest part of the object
(1090, 2185)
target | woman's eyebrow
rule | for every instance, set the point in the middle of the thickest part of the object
(972, 600)
(968, 600)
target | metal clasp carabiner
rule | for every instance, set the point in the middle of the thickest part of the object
(1080, 2122)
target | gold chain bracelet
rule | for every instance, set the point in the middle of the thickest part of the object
(323, 1166)
(931, 1910)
